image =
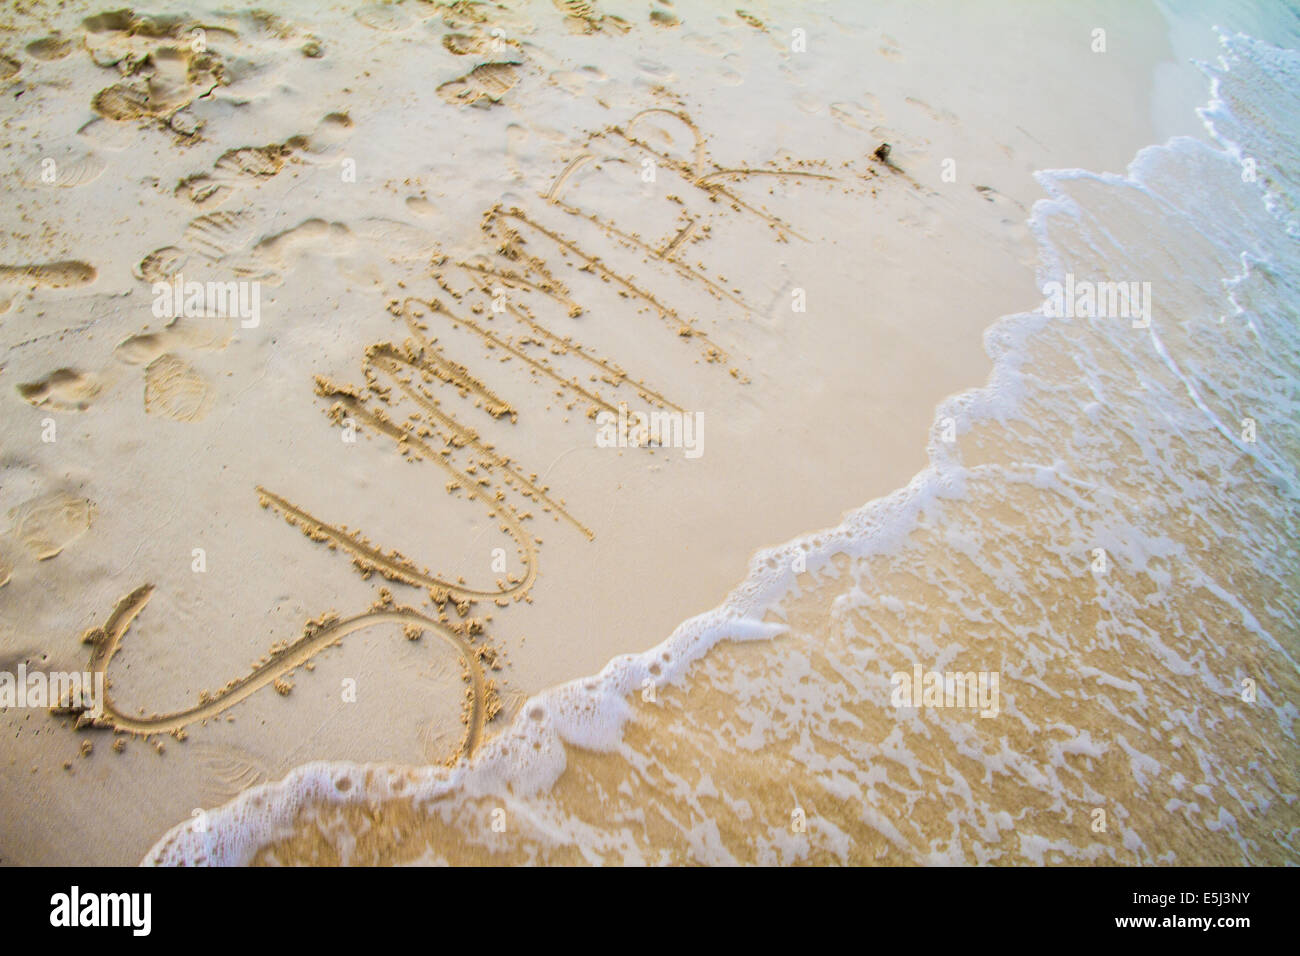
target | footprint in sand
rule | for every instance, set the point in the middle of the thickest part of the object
(334, 237)
(72, 390)
(48, 48)
(581, 16)
(173, 389)
(398, 241)
(656, 72)
(809, 103)
(46, 525)
(122, 101)
(480, 44)
(217, 237)
(106, 135)
(665, 18)
(42, 527)
(420, 206)
(218, 234)
(64, 389)
(65, 172)
(710, 46)
(173, 83)
(162, 67)
(182, 333)
(577, 82)
(234, 170)
(8, 67)
(484, 85)
(128, 23)
(463, 44)
(259, 22)
(249, 166)
(324, 143)
(161, 264)
(387, 18)
(48, 275)
(208, 240)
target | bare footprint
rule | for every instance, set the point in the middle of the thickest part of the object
(64, 389)
(48, 275)
(333, 235)
(144, 348)
(420, 206)
(324, 142)
(398, 241)
(48, 48)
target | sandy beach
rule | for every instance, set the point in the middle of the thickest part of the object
(542, 432)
